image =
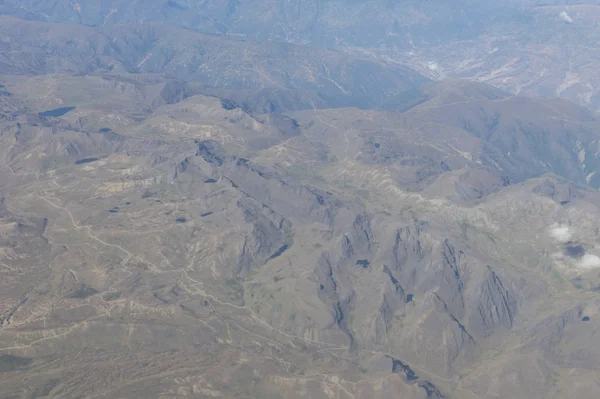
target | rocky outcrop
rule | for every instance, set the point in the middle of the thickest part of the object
(561, 192)
(451, 281)
(495, 305)
(211, 152)
(407, 248)
(270, 232)
(173, 92)
(265, 186)
(394, 299)
(438, 342)
(337, 297)
(459, 300)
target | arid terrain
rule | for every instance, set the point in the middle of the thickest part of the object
(197, 204)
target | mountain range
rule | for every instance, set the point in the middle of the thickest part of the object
(305, 199)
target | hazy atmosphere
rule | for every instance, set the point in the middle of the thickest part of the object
(304, 199)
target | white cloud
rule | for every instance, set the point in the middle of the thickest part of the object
(565, 17)
(561, 233)
(589, 261)
(433, 66)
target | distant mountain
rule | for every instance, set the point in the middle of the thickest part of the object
(522, 137)
(529, 47)
(452, 124)
(333, 78)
